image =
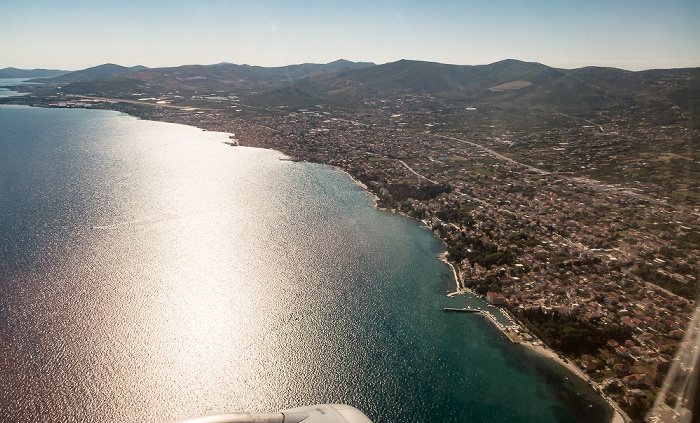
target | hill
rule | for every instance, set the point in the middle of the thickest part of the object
(30, 73)
(201, 79)
(91, 74)
(506, 84)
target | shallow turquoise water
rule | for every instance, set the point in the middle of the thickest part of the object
(149, 272)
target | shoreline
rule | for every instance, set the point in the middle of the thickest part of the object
(618, 415)
(458, 280)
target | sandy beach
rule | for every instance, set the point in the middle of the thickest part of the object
(460, 288)
(619, 416)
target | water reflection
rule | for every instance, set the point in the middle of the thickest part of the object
(153, 273)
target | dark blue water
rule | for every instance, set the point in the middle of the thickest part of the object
(149, 272)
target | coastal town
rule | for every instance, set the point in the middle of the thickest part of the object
(546, 241)
(602, 269)
(350, 212)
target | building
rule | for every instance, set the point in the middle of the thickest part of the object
(495, 298)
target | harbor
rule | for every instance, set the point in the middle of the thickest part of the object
(512, 331)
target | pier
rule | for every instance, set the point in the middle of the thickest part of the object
(508, 331)
(462, 310)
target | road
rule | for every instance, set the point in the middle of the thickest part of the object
(585, 120)
(416, 173)
(679, 391)
(496, 155)
(591, 184)
(142, 103)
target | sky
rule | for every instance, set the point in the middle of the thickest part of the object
(76, 34)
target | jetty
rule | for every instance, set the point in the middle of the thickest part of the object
(462, 310)
(511, 332)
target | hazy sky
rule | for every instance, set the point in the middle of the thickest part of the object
(629, 34)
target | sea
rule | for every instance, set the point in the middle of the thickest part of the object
(6, 86)
(150, 272)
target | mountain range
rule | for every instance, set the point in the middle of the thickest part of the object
(30, 73)
(91, 74)
(343, 83)
(509, 82)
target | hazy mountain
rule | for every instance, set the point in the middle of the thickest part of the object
(508, 83)
(30, 73)
(416, 77)
(210, 78)
(419, 78)
(308, 69)
(93, 73)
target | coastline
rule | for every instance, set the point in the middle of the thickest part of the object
(618, 415)
(458, 280)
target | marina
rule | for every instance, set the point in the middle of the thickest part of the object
(512, 332)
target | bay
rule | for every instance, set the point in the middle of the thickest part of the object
(150, 272)
(8, 82)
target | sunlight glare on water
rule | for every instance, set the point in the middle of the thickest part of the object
(149, 272)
